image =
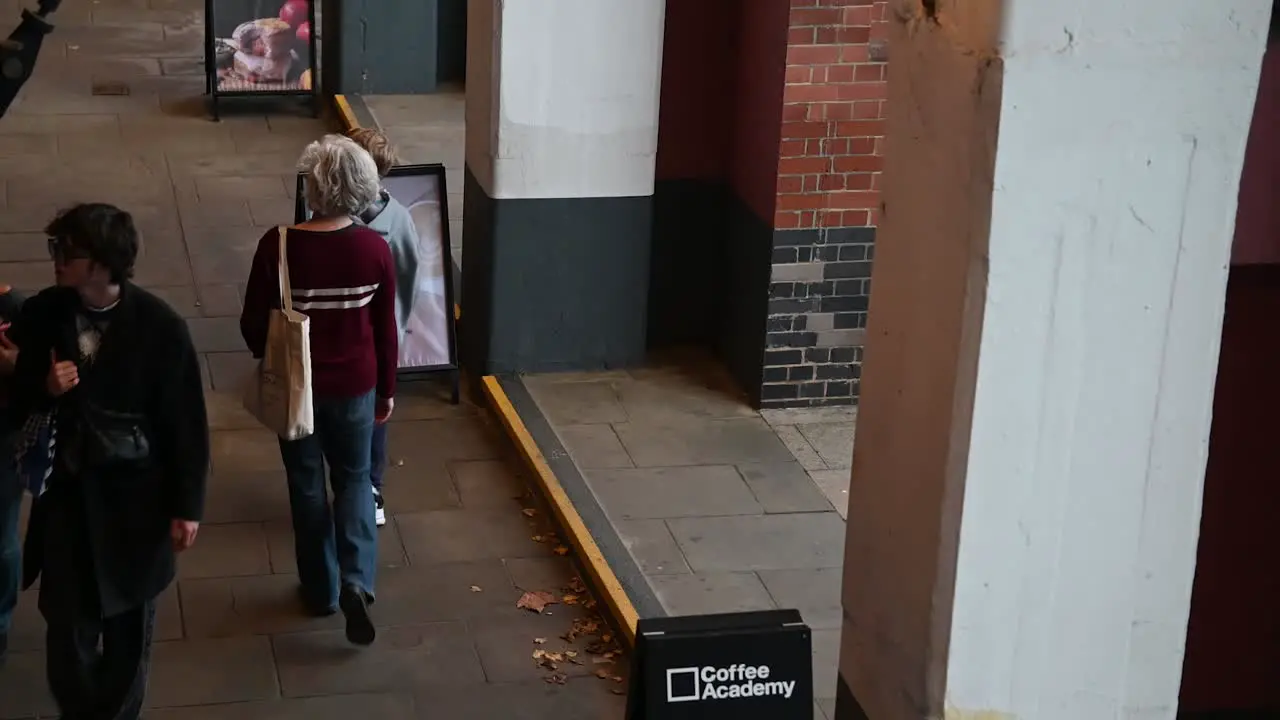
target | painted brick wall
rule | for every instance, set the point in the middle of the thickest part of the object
(827, 201)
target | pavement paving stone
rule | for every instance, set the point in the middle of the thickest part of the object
(594, 447)
(713, 442)
(706, 593)
(760, 542)
(784, 487)
(651, 544)
(674, 492)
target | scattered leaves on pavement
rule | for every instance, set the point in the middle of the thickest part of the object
(569, 599)
(557, 678)
(476, 588)
(539, 641)
(562, 550)
(535, 601)
(529, 512)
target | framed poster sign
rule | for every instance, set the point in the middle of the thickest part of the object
(429, 344)
(260, 48)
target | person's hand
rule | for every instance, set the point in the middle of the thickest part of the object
(62, 375)
(183, 533)
(382, 410)
(8, 351)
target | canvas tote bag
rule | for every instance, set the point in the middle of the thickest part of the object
(278, 393)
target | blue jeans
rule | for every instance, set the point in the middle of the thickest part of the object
(339, 545)
(378, 451)
(10, 544)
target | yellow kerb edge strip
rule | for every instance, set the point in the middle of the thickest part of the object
(624, 613)
(344, 110)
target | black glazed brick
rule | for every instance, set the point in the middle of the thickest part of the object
(791, 339)
(779, 392)
(813, 390)
(795, 238)
(852, 252)
(850, 320)
(779, 323)
(782, 290)
(844, 355)
(817, 355)
(833, 372)
(843, 303)
(784, 255)
(841, 389)
(776, 374)
(851, 236)
(842, 270)
(800, 372)
(792, 306)
(775, 358)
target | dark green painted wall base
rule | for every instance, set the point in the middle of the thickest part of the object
(686, 278)
(554, 284)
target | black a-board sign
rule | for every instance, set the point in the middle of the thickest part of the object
(745, 666)
(429, 345)
(261, 48)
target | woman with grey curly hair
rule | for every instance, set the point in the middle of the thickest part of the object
(341, 275)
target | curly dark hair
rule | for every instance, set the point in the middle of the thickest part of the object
(103, 232)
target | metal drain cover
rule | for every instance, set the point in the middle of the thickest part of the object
(110, 87)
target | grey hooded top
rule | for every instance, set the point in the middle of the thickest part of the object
(392, 221)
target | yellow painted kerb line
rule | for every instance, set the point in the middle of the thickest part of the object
(615, 597)
(350, 122)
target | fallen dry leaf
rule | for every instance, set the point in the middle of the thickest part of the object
(562, 550)
(602, 660)
(617, 691)
(535, 601)
(616, 678)
(540, 641)
(576, 586)
(557, 678)
(476, 588)
(602, 674)
(529, 512)
(569, 599)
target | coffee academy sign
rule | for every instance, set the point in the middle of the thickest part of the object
(748, 666)
(735, 681)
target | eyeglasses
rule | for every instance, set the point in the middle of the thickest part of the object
(62, 250)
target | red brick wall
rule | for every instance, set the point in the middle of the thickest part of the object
(833, 114)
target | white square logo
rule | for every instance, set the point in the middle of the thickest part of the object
(685, 695)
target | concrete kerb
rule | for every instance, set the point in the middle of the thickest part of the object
(611, 571)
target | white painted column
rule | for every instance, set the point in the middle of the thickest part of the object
(568, 92)
(1060, 199)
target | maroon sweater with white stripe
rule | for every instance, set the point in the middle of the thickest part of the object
(345, 282)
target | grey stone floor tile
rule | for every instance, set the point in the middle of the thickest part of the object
(833, 441)
(809, 416)
(647, 493)
(712, 442)
(826, 662)
(230, 369)
(200, 672)
(219, 300)
(834, 484)
(704, 593)
(487, 483)
(784, 488)
(814, 592)
(380, 706)
(551, 573)
(251, 496)
(448, 439)
(594, 446)
(244, 450)
(402, 658)
(580, 698)
(280, 543)
(651, 544)
(664, 396)
(800, 447)
(23, 689)
(461, 535)
(429, 593)
(828, 707)
(577, 403)
(506, 645)
(256, 605)
(227, 551)
(760, 542)
(412, 485)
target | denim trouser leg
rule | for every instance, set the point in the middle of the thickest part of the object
(378, 456)
(313, 538)
(10, 543)
(345, 428)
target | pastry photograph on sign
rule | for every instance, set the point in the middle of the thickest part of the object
(261, 46)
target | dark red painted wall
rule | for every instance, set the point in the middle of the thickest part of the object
(757, 108)
(1233, 637)
(694, 120)
(1258, 223)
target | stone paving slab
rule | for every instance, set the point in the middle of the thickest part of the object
(721, 508)
(460, 548)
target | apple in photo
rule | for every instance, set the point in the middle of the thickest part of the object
(295, 12)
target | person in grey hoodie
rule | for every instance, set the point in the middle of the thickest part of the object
(390, 219)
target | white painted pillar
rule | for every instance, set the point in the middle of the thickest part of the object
(562, 138)
(1060, 196)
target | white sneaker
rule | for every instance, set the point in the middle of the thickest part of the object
(379, 509)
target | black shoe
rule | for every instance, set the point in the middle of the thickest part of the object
(355, 605)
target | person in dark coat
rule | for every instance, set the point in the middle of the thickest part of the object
(112, 370)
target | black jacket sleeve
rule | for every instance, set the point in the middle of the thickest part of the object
(181, 425)
(34, 333)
